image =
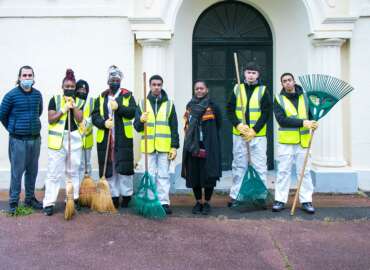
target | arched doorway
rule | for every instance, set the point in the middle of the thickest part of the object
(221, 30)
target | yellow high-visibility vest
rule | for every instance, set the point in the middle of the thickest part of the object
(87, 138)
(56, 130)
(127, 123)
(158, 128)
(287, 135)
(254, 107)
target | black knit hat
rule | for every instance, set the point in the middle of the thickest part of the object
(82, 83)
(252, 66)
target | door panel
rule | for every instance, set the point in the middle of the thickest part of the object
(215, 65)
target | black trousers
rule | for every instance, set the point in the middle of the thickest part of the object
(207, 193)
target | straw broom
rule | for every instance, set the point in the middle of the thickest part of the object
(70, 204)
(102, 201)
(87, 188)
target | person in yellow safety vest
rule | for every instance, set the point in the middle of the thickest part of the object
(86, 126)
(114, 110)
(257, 107)
(292, 114)
(58, 170)
(163, 137)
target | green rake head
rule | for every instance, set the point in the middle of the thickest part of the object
(145, 202)
(323, 92)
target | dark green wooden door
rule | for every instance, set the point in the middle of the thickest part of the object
(216, 37)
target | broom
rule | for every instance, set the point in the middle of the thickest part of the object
(323, 92)
(145, 202)
(70, 204)
(102, 201)
(253, 193)
(87, 188)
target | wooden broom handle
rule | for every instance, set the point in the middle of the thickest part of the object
(145, 126)
(301, 175)
(107, 152)
(69, 144)
(241, 102)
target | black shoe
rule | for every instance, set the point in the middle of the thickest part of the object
(308, 208)
(115, 202)
(231, 203)
(49, 210)
(125, 201)
(12, 209)
(77, 205)
(167, 209)
(278, 206)
(33, 203)
(197, 209)
(206, 208)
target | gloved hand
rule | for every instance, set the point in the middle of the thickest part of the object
(109, 123)
(82, 127)
(242, 128)
(250, 135)
(68, 105)
(144, 117)
(310, 124)
(172, 154)
(113, 105)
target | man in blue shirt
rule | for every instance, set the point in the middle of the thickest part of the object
(20, 114)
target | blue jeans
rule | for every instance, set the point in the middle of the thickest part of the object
(24, 159)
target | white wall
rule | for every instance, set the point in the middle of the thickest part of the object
(50, 45)
(360, 101)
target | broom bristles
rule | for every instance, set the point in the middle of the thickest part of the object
(102, 201)
(87, 191)
(70, 204)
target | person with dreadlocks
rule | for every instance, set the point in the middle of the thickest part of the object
(201, 161)
(114, 110)
(86, 126)
(60, 106)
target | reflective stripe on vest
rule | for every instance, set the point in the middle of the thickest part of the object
(158, 128)
(127, 123)
(294, 135)
(254, 107)
(87, 138)
(56, 130)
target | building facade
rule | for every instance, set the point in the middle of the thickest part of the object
(185, 40)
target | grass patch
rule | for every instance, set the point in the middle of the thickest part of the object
(23, 211)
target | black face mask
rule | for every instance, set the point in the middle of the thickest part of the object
(81, 95)
(114, 86)
(69, 92)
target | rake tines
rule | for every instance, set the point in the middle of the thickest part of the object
(325, 89)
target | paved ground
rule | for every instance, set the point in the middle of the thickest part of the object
(337, 237)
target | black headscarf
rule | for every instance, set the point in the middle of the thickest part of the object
(81, 84)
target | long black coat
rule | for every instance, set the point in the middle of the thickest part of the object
(205, 172)
(123, 147)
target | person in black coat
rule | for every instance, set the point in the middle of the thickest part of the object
(201, 163)
(115, 114)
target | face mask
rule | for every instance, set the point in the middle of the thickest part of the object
(81, 95)
(26, 84)
(114, 86)
(69, 92)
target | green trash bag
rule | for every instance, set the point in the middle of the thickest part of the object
(145, 202)
(253, 194)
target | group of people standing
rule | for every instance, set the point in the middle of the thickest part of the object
(115, 113)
